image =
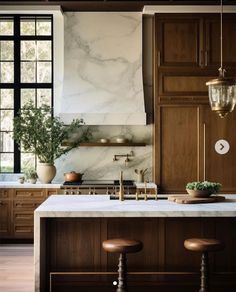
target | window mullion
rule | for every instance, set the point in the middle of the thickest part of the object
(17, 166)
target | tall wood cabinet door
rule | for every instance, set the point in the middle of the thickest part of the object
(178, 40)
(212, 52)
(5, 218)
(219, 162)
(177, 147)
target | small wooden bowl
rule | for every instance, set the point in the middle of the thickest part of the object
(199, 193)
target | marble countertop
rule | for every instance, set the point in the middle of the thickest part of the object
(17, 185)
(102, 206)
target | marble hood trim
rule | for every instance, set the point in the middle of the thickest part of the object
(103, 82)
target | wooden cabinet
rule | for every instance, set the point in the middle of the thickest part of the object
(193, 40)
(187, 55)
(179, 40)
(212, 41)
(216, 166)
(163, 264)
(185, 147)
(5, 213)
(177, 147)
(25, 201)
(17, 211)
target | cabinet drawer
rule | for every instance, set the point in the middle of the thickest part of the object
(23, 229)
(24, 216)
(4, 194)
(27, 204)
(29, 194)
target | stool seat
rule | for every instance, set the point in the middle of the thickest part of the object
(122, 245)
(203, 244)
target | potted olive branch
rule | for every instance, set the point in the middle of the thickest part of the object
(37, 131)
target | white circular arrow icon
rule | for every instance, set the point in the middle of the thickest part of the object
(222, 146)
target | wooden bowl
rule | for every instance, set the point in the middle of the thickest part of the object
(199, 193)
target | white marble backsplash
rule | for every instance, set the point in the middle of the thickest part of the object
(97, 162)
(103, 68)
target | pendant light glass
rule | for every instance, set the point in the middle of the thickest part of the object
(222, 91)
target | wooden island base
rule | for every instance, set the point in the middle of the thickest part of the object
(72, 257)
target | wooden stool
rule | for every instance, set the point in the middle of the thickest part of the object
(204, 245)
(122, 246)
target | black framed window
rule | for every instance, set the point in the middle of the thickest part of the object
(26, 73)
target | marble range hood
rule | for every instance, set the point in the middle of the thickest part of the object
(103, 82)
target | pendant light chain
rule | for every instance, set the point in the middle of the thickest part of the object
(221, 38)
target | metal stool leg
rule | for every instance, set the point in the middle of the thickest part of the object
(204, 273)
(122, 271)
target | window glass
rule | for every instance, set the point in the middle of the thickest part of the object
(27, 95)
(6, 98)
(6, 50)
(27, 27)
(6, 27)
(28, 72)
(25, 75)
(43, 27)
(6, 72)
(6, 162)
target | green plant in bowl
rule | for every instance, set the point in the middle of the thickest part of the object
(31, 175)
(202, 189)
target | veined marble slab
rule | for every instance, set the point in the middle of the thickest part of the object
(103, 82)
(102, 206)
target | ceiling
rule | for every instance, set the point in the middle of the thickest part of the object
(113, 5)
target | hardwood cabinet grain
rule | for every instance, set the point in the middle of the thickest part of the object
(178, 40)
(177, 147)
(17, 211)
(187, 54)
(74, 257)
(5, 213)
(216, 166)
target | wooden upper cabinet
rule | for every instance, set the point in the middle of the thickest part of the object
(219, 167)
(193, 40)
(212, 48)
(178, 40)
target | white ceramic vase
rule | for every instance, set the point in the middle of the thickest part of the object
(46, 172)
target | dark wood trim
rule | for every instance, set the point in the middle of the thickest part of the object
(110, 5)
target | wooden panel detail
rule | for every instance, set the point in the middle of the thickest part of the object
(23, 216)
(29, 204)
(5, 217)
(177, 258)
(50, 192)
(185, 84)
(74, 244)
(213, 41)
(179, 147)
(145, 230)
(178, 40)
(29, 193)
(4, 194)
(75, 256)
(220, 168)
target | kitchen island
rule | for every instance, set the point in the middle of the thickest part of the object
(69, 231)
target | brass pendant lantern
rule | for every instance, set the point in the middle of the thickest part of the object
(222, 91)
